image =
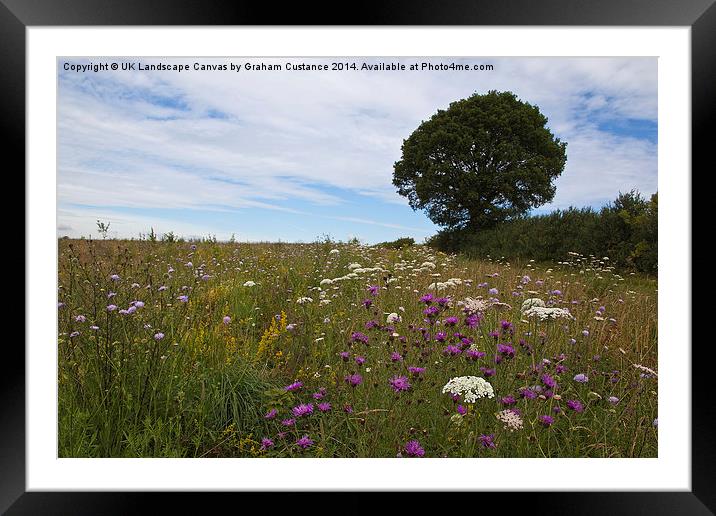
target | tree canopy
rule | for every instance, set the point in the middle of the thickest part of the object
(485, 159)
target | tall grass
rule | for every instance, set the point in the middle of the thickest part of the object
(162, 375)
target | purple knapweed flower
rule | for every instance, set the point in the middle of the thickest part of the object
(413, 449)
(528, 393)
(461, 410)
(575, 405)
(353, 380)
(452, 350)
(396, 357)
(293, 387)
(546, 420)
(451, 321)
(399, 383)
(304, 442)
(488, 441)
(508, 401)
(357, 336)
(427, 299)
(506, 350)
(431, 311)
(271, 414)
(288, 422)
(266, 443)
(416, 371)
(474, 354)
(360, 360)
(324, 407)
(472, 320)
(304, 409)
(549, 381)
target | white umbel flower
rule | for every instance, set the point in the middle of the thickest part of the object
(470, 387)
(510, 419)
(545, 314)
(250, 284)
(474, 306)
(531, 303)
(304, 300)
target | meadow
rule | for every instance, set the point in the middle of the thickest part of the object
(207, 349)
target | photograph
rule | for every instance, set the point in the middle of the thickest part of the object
(357, 257)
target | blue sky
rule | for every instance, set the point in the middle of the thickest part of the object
(294, 156)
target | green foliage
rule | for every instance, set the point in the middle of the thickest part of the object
(625, 231)
(399, 243)
(485, 159)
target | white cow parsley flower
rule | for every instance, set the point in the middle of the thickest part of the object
(545, 314)
(470, 387)
(531, 303)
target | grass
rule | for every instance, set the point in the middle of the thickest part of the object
(165, 376)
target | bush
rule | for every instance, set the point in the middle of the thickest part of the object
(399, 243)
(626, 231)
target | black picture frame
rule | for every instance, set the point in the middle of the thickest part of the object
(17, 15)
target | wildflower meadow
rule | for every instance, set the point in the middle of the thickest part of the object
(331, 349)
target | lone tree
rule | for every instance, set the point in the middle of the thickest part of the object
(485, 159)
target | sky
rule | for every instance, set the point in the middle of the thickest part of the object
(298, 156)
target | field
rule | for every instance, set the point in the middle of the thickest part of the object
(205, 349)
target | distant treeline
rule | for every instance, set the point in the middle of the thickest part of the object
(625, 230)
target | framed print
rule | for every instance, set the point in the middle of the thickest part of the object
(413, 252)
